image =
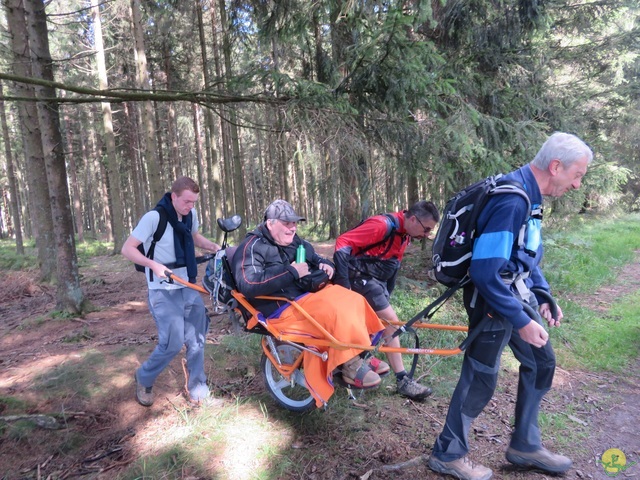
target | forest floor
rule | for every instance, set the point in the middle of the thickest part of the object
(107, 430)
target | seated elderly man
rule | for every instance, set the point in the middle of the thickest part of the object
(265, 264)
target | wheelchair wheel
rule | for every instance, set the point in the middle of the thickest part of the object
(292, 394)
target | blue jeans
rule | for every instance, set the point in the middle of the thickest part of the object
(181, 320)
(478, 380)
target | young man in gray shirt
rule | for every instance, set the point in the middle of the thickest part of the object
(179, 312)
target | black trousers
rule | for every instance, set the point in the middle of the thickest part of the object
(478, 380)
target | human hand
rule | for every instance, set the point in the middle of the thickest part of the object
(534, 334)
(545, 312)
(302, 268)
(159, 270)
(328, 269)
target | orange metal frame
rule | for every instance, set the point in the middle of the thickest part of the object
(329, 340)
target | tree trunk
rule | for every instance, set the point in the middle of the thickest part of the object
(236, 164)
(195, 109)
(413, 191)
(150, 150)
(228, 202)
(69, 296)
(141, 204)
(73, 177)
(40, 205)
(331, 192)
(215, 184)
(90, 201)
(172, 126)
(103, 223)
(11, 177)
(113, 169)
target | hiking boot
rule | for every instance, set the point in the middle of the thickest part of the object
(408, 387)
(541, 458)
(144, 395)
(358, 374)
(378, 366)
(462, 468)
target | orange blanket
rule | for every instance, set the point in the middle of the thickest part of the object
(344, 314)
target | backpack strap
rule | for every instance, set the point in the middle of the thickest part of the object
(157, 235)
(392, 226)
(513, 186)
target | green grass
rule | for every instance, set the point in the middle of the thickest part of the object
(586, 253)
(580, 258)
(93, 248)
(600, 342)
(80, 376)
(247, 442)
(12, 404)
(10, 260)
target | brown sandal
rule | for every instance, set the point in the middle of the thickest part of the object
(358, 374)
(378, 366)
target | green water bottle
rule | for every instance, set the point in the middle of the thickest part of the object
(301, 254)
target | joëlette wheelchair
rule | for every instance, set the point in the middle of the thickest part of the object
(282, 359)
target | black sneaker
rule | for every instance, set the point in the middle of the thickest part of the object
(144, 395)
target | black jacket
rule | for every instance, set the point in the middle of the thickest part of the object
(261, 267)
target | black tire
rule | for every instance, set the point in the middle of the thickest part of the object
(292, 395)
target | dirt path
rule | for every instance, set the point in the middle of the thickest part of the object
(121, 334)
(616, 423)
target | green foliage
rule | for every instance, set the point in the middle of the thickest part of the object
(10, 260)
(205, 435)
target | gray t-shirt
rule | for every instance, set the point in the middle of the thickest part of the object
(164, 251)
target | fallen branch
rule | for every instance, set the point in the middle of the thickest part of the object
(409, 463)
(42, 421)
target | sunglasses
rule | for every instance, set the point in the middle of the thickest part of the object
(427, 230)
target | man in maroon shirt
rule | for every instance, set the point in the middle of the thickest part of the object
(367, 260)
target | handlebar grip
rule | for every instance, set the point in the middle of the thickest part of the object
(205, 258)
(528, 309)
(553, 306)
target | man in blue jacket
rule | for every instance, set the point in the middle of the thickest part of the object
(503, 271)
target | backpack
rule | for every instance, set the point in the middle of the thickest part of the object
(392, 226)
(453, 245)
(157, 235)
(218, 281)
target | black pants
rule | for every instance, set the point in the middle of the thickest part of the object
(478, 380)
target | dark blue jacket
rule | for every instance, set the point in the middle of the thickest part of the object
(496, 248)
